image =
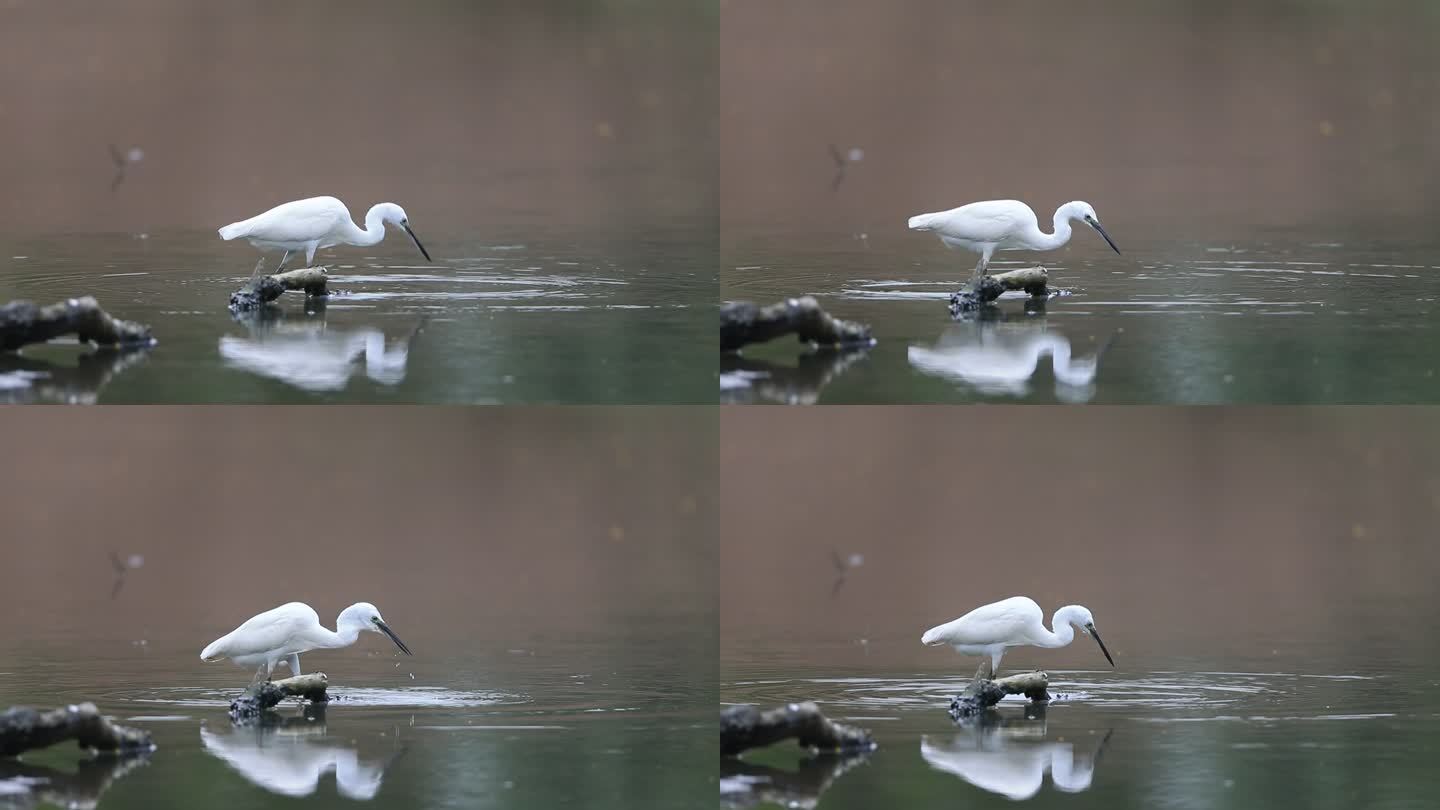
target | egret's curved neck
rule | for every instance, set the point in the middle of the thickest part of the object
(1062, 632)
(373, 231)
(344, 635)
(1050, 241)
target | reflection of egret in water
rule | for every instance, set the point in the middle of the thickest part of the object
(745, 380)
(1001, 359)
(290, 757)
(23, 785)
(743, 784)
(311, 357)
(1010, 756)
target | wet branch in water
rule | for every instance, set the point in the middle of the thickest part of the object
(23, 729)
(25, 322)
(258, 697)
(984, 693)
(743, 323)
(746, 727)
(1034, 281)
(263, 290)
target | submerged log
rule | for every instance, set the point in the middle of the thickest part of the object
(743, 323)
(263, 290)
(23, 729)
(984, 693)
(746, 727)
(746, 784)
(25, 322)
(258, 697)
(1034, 281)
(32, 785)
(748, 379)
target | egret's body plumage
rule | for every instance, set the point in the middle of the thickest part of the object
(314, 223)
(1014, 622)
(282, 633)
(984, 227)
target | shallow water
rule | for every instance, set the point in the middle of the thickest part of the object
(566, 722)
(1262, 577)
(1290, 316)
(1261, 733)
(514, 316)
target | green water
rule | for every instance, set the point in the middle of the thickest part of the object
(1289, 316)
(1268, 730)
(595, 720)
(515, 315)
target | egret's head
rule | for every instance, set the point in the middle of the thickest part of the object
(365, 616)
(395, 215)
(1085, 212)
(1080, 616)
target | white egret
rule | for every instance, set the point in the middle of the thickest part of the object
(984, 227)
(283, 633)
(318, 222)
(1014, 622)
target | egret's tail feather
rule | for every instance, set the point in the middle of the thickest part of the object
(932, 636)
(211, 652)
(922, 222)
(232, 230)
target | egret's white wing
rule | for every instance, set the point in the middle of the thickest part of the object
(267, 631)
(1006, 621)
(987, 221)
(298, 221)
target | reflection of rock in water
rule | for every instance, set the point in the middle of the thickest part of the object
(313, 358)
(1002, 358)
(23, 786)
(290, 757)
(743, 784)
(743, 380)
(27, 380)
(1010, 757)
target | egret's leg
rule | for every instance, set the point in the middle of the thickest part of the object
(295, 664)
(283, 259)
(979, 274)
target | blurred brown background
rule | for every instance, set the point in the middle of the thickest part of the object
(556, 521)
(563, 111)
(1156, 111)
(1214, 531)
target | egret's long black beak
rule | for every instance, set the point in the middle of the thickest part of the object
(1096, 636)
(426, 254)
(1094, 223)
(385, 628)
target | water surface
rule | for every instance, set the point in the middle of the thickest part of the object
(466, 723)
(1262, 732)
(516, 315)
(1302, 315)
